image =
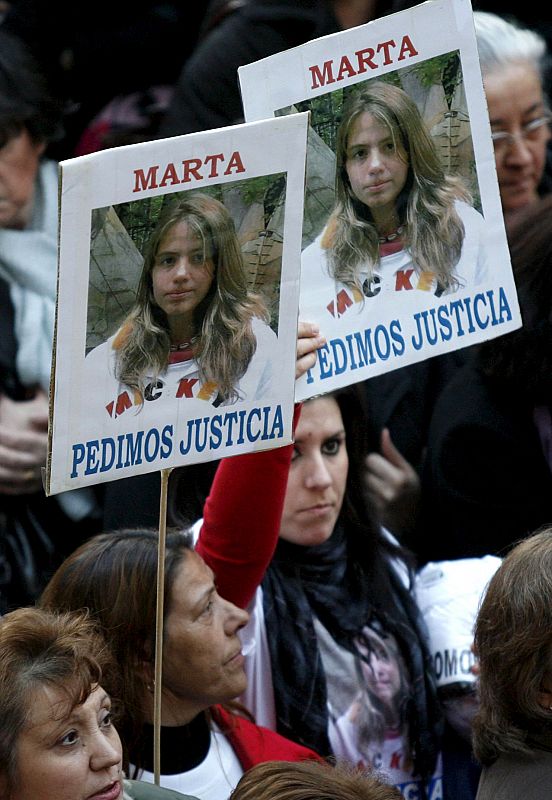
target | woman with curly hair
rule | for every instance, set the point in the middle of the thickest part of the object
(397, 211)
(195, 330)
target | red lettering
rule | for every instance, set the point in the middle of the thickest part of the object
(123, 402)
(185, 387)
(321, 78)
(364, 58)
(407, 48)
(214, 160)
(402, 279)
(191, 167)
(386, 46)
(143, 182)
(345, 69)
(235, 163)
(169, 175)
(343, 302)
(331, 308)
(395, 760)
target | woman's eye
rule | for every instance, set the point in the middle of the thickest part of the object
(296, 453)
(166, 261)
(209, 606)
(331, 447)
(106, 720)
(69, 739)
(197, 259)
(389, 147)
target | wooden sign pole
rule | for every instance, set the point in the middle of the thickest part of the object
(158, 683)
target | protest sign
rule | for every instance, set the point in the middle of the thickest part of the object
(404, 250)
(177, 302)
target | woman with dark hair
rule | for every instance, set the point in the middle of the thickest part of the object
(396, 207)
(35, 531)
(513, 639)
(205, 747)
(487, 476)
(57, 738)
(194, 319)
(336, 582)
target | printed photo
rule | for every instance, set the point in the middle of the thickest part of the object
(183, 300)
(177, 304)
(404, 254)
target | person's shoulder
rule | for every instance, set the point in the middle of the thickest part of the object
(255, 744)
(314, 258)
(262, 330)
(467, 212)
(512, 776)
(140, 790)
(49, 167)
(114, 343)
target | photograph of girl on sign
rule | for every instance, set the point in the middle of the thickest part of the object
(372, 732)
(400, 221)
(195, 330)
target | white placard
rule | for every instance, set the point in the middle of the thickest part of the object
(443, 279)
(239, 189)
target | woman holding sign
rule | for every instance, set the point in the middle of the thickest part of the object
(195, 330)
(340, 662)
(400, 222)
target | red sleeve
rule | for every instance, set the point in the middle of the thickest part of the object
(241, 519)
(254, 744)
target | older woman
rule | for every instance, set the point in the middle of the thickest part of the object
(205, 747)
(512, 60)
(35, 532)
(57, 738)
(513, 637)
(194, 320)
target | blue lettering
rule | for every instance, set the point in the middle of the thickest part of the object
(78, 458)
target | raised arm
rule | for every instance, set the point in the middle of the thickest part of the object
(241, 518)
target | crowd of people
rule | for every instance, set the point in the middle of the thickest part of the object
(298, 662)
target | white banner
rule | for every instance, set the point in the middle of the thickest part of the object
(404, 250)
(177, 302)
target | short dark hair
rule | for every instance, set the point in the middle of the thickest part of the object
(513, 639)
(40, 648)
(26, 100)
(311, 780)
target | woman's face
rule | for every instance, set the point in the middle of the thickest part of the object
(382, 674)
(318, 474)
(19, 161)
(377, 166)
(202, 659)
(68, 754)
(515, 99)
(182, 274)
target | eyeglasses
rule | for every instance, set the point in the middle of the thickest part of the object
(531, 131)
